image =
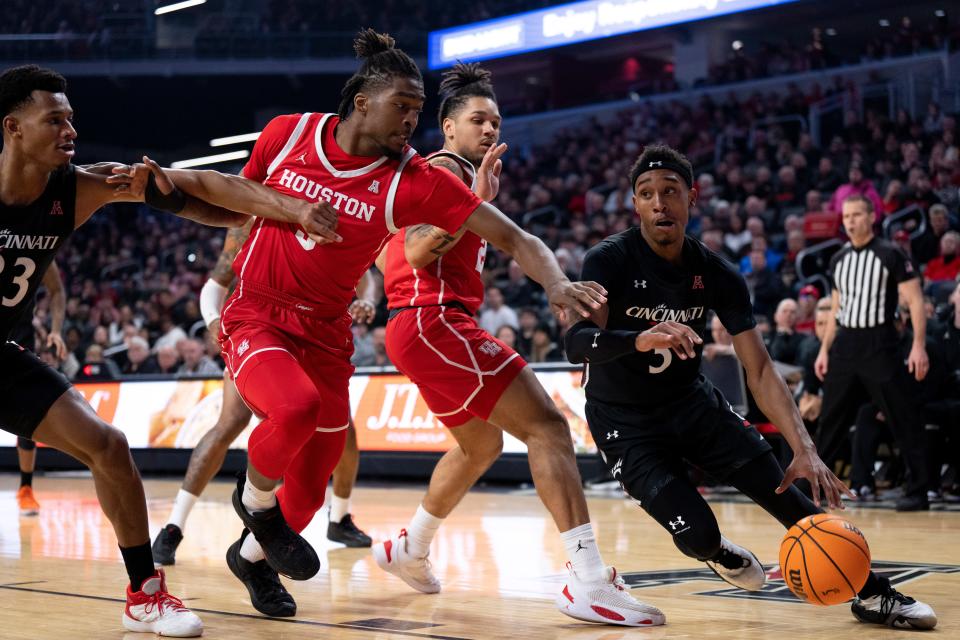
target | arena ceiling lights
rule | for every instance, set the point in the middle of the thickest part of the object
(170, 8)
(570, 23)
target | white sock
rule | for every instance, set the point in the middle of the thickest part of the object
(181, 508)
(584, 555)
(339, 507)
(250, 550)
(420, 532)
(256, 500)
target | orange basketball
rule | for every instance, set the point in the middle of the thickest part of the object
(825, 560)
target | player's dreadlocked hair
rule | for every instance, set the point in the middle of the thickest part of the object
(382, 62)
(464, 81)
(17, 83)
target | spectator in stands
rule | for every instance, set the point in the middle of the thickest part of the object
(518, 290)
(806, 309)
(496, 313)
(379, 340)
(814, 201)
(945, 266)
(827, 178)
(737, 237)
(168, 359)
(362, 345)
(788, 193)
(810, 399)
(529, 319)
(195, 360)
(171, 334)
(893, 197)
(927, 246)
(764, 285)
(97, 368)
(139, 359)
(507, 335)
(857, 184)
(921, 190)
(785, 345)
(722, 342)
(544, 349)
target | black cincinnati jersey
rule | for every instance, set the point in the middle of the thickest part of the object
(30, 237)
(866, 279)
(644, 290)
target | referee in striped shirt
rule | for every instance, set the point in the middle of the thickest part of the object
(859, 352)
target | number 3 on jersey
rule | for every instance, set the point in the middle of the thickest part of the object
(22, 281)
(481, 256)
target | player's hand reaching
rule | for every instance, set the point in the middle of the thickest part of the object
(319, 221)
(676, 336)
(807, 464)
(362, 311)
(582, 298)
(132, 179)
(488, 175)
(55, 342)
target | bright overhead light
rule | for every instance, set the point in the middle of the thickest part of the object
(737, 45)
(831, 31)
(228, 140)
(940, 13)
(220, 157)
(176, 6)
(884, 22)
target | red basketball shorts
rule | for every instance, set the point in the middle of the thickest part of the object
(461, 369)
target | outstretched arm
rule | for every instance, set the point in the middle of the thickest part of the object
(424, 243)
(776, 403)
(236, 193)
(536, 260)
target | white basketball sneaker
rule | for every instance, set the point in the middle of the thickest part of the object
(606, 601)
(392, 556)
(153, 610)
(738, 566)
(893, 609)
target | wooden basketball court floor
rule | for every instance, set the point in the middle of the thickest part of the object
(498, 556)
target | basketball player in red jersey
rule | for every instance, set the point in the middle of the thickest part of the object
(286, 331)
(475, 384)
(208, 456)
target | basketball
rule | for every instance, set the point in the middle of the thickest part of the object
(825, 559)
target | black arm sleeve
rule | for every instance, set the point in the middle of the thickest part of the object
(586, 342)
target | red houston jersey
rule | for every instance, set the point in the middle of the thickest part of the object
(298, 155)
(453, 276)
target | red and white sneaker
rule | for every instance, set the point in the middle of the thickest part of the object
(606, 601)
(153, 610)
(392, 556)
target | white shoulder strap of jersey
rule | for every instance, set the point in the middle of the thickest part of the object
(466, 164)
(291, 142)
(392, 192)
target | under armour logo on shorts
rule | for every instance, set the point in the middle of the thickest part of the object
(612, 434)
(678, 523)
(639, 283)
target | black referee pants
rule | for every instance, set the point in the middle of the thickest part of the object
(868, 365)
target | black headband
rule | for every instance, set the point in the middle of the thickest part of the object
(682, 171)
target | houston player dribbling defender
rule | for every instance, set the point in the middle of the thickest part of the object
(475, 384)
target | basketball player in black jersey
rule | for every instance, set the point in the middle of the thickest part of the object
(650, 410)
(43, 198)
(25, 334)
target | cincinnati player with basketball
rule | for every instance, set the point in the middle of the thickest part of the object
(650, 409)
(475, 384)
(43, 198)
(285, 329)
(210, 452)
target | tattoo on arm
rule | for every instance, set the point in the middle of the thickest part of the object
(223, 270)
(441, 237)
(449, 164)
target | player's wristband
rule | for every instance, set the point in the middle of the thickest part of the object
(174, 202)
(212, 296)
(586, 342)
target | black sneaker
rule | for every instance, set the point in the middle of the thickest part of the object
(263, 583)
(893, 609)
(165, 546)
(913, 503)
(287, 552)
(348, 533)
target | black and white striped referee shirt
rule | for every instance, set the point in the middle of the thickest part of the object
(866, 279)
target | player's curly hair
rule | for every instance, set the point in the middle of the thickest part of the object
(17, 83)
(459, 84)
(382, 62)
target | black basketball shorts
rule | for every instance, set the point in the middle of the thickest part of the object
(28, 388)
(646, 449)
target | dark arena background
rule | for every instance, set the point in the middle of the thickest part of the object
(784, 108)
